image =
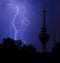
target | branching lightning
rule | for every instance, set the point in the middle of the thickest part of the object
(13, 25)
(23, 24)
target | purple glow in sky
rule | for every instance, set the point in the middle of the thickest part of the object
(23, 22)
(24, 18)
(19, 16)
(20, 25)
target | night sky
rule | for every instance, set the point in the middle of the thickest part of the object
(27, 18)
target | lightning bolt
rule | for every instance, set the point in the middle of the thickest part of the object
(24, 23)
(13, 25)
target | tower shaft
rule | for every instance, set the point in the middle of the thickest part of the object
(44, 47)
(44, 36)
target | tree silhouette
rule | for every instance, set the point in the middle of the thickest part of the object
(28, 49)
(56, 49)
(9, 43)
(16, 46)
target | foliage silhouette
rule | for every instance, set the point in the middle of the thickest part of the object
(16, 46)
(13, 47)
(56, 48)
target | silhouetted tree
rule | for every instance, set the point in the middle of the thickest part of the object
(56, 48)
(16, 45)
(9, 43)
(56, 52)
(28, 49)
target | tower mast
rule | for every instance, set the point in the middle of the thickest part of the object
(44, 36)
(44, 17)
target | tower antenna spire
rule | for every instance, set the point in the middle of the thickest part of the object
(44, 17)
(44, 5)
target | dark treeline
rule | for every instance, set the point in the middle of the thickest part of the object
(12, 47)
(9, 45)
